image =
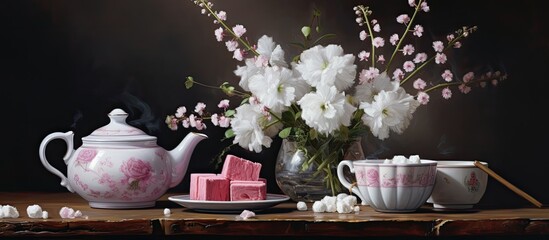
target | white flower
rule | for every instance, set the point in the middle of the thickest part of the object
(270, 53)
(326, 109)
(390, 110)
(327, 66)
(366, 91)
(274, 88)
(301, 86)
(247, 71)
(248, 130)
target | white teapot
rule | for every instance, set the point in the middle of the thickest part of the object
(119, 166)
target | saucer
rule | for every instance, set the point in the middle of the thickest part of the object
(228, 206)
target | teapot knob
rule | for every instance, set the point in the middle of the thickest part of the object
(118, 115)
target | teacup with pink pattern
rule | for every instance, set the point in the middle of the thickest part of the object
(390, 187)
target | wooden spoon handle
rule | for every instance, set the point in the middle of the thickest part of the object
(508, 184)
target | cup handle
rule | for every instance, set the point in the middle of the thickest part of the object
(68, 138)
(345, 182)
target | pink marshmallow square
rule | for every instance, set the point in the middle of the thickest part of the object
(194, 188)
(248, 190)
(213, 188)
(235, 168)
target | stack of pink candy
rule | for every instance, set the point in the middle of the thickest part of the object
(238, 181)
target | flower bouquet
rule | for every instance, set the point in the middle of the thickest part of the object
(325, 99)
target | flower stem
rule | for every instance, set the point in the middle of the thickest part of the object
(245, 43)
(373, 51)
(403, 35)
(441, 85)
(450, 44)
(235, 92)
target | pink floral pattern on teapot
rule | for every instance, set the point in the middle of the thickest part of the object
(137, 172)
(134, 178)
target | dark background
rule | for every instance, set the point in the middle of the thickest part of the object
(66, 63)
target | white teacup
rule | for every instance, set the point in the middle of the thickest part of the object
(390, 187)
(458, 185)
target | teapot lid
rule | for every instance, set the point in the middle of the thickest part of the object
(118, 130)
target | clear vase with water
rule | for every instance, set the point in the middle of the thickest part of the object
(302, 184)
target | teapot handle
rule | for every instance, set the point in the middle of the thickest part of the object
(68, 138)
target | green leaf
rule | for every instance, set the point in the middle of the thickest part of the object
(245, 100)
(229, 133)
(297, 115)
(229, 113)
(189, 82)
(285, 132)
(288, 117)
(306, 31)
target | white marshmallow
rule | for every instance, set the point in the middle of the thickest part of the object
(167, 212)
(414, 159)
(77, 214)
(247, 214)
(342, 196)
(9, 211)
(399, 159)
(329, 200)
(388, 161)
(319, 206)
(301, 206)
(67, 212)
(342, 203)
(343, 207)
(34, 211)
(331, 207)
(350, 200)
(45, 214)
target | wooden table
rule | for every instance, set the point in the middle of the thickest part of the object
(282, 220)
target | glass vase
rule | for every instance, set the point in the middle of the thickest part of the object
(302, 184)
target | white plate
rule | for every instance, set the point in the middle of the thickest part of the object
(228, 206)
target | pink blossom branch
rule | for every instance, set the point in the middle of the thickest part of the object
(364, 11)
(482, 79)
(464, 32)
(227, 28)
(418, 6)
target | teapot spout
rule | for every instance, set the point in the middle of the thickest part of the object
(181, 155)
